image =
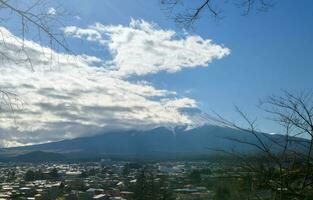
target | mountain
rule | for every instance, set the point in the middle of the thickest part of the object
(40, 156)
(156, 142)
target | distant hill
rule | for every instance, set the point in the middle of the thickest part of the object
(40, 156)
(156, 142)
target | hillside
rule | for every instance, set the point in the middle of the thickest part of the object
(156, 142)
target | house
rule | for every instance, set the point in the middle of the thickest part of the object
(101, 197)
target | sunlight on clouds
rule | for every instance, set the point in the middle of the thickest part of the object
(71, 96)
(87, 34)
(67, 96)
(143, 48)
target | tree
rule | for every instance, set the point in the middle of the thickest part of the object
(195, 176)
(165, 192)
(9, 102)
(141, 187)
(185, 13)
(30, 175)
(54, 174)
(282, 164)
(126, 170)
(36, 21)
(149, 186)
(34, 17)
(222, 193)
(11, 175)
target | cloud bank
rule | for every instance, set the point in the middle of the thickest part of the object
(143, 48)
(66, 96)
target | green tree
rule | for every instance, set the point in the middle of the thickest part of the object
(30, 175)
(126, 170)
(141, 187)
(149, 186)
(54, 174)
(195, 177)
(165, 192)
(222, 193)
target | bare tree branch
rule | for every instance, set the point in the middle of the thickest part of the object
(186, 14)
(289, 156)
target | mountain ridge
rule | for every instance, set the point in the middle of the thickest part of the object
(154, 142)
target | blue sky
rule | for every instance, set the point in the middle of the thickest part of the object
(270, 51)
(249, 57)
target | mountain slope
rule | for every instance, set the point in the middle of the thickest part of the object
(159, 141)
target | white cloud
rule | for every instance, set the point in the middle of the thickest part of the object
(87, 34)
(51, 11)
(143, 48)
(67, 96)
(70, 96)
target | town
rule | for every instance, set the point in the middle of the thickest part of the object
(113, 180)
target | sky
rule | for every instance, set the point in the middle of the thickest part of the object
(133, 67)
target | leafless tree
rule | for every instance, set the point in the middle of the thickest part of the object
(185, 13)
(284, 163)
(39, 22)
(9, 102)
